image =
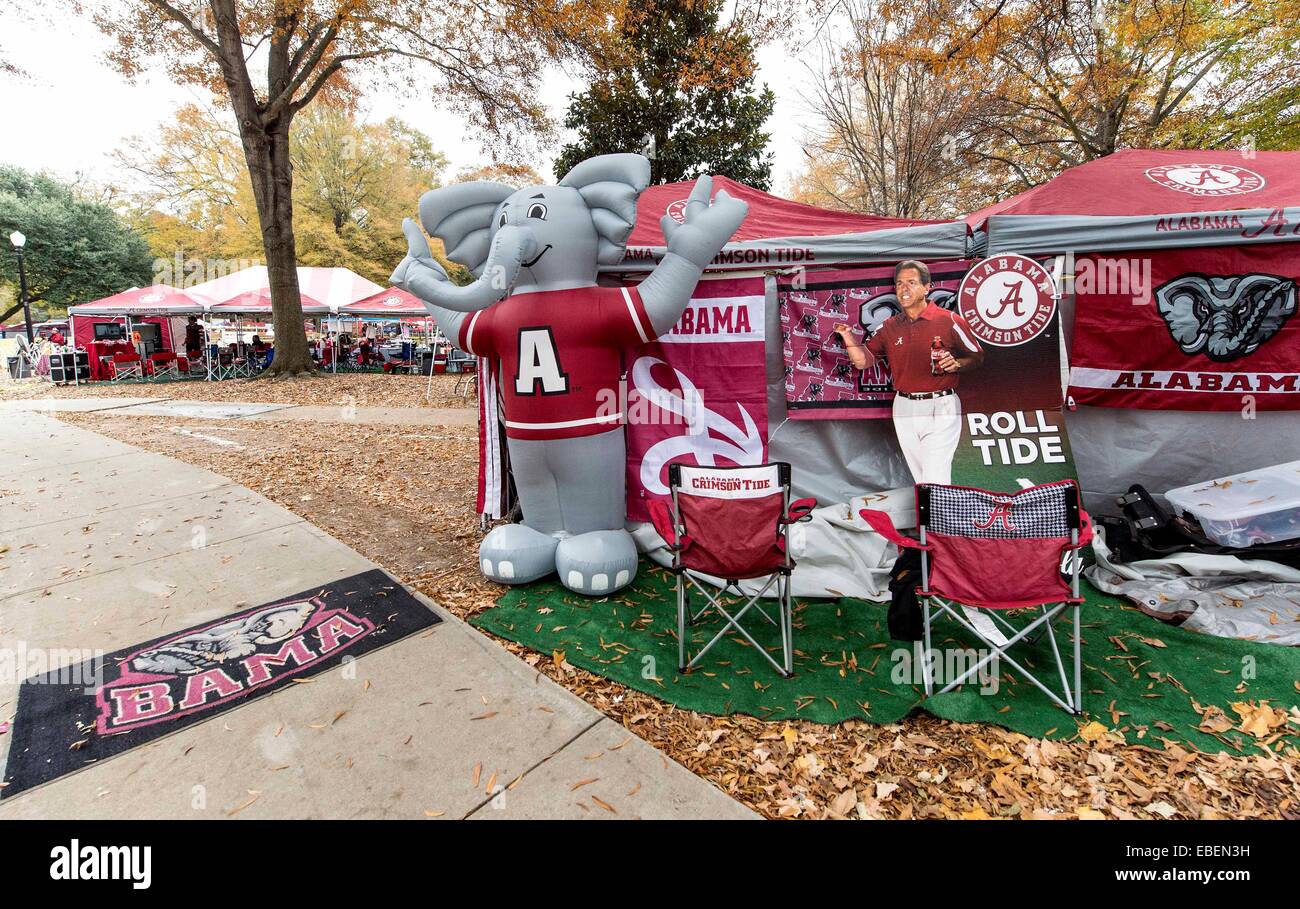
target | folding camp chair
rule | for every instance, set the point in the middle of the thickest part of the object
(127, 366)
(999, 551)
(162, 365)
(731, 523)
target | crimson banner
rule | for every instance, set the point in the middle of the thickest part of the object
(1188, 329)
(698, 394)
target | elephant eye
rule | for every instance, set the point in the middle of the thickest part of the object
(537, 210)
(501, 221)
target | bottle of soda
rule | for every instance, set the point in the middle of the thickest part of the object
(936, 354)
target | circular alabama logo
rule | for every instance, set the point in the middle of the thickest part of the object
(1007, 300)
(677, 211)
(1206, 179)
(392, 302)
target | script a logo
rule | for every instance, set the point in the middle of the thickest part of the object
(1007, 300)
(1000, 514)
(1206, 179)
(201, 668)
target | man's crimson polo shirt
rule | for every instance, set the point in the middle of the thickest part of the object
(561, 357)
(905, 343)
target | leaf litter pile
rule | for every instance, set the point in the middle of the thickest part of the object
(404, 497)
(326, 390)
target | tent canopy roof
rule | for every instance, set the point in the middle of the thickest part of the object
(1144, 199)
(333, 287)
(393, 302)
(258, 302)
(155, 300)
(780, 233)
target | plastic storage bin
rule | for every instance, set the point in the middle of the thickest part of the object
(1259, 506)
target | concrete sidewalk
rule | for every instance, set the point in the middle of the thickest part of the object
(240, 410)
(109, 546)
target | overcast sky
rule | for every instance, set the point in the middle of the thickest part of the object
(71, 110)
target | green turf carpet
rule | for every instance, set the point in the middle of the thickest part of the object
(1140, 676)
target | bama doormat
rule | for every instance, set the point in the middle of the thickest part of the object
(1152, 682)
(78, 715)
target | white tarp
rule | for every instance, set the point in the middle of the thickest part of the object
(1221, 595)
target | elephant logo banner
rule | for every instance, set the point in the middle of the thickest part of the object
(1214, 338)
(1225, 317)
(698, 395)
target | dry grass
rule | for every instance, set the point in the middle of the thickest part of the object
(405, 499)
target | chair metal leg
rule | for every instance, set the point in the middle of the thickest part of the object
(1078, 664)
(787, 625)
(681, 624)
(1060, 666)
(925, 652)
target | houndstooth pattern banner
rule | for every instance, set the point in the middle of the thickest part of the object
(1037, 512)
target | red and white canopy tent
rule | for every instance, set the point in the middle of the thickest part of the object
(393, 302)
(1180, 309)
(331, 287)
(157, 303)
(258, 303)
(155, 300)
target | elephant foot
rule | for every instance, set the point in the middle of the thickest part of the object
(516, 554)
(596, 563)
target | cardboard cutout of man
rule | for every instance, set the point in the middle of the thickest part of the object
(558, 338)
(926, 346)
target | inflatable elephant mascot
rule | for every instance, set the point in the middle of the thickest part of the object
(558, 338)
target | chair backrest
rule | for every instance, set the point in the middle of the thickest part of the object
(733, 516)
(126, 358)
(999, 550)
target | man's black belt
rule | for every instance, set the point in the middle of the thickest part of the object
(927, 395)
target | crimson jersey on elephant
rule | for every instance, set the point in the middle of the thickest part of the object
(558, 338)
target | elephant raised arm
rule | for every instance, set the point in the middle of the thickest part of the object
(704, 230)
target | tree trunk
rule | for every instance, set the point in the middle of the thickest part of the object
(267, 154)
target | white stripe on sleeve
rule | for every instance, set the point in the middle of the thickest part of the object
(636, 320)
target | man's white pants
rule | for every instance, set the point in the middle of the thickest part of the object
(928, 432)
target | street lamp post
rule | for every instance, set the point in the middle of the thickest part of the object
(19, 241)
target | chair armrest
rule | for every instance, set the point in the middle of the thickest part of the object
(1085, 528)
(662, 519)
(881, 524)
(800, 510)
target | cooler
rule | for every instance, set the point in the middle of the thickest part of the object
(1259, 506)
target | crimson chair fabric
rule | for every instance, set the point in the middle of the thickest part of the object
(996, 550)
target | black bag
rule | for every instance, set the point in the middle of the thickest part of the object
(905, 623)
(1147, 531)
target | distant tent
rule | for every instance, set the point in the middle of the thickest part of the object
(391, 302)
(332, 287)
(258, 302)
(155, 300)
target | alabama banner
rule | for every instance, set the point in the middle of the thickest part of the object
(820, 383)
(697, 395)
(1188, 329)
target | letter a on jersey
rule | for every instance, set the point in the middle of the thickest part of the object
(539, 364)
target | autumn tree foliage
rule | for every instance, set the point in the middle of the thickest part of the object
(1011, 92)
(679, 86)
(271, 60)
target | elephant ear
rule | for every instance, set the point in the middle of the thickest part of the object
(460, 216)
(610, 184)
